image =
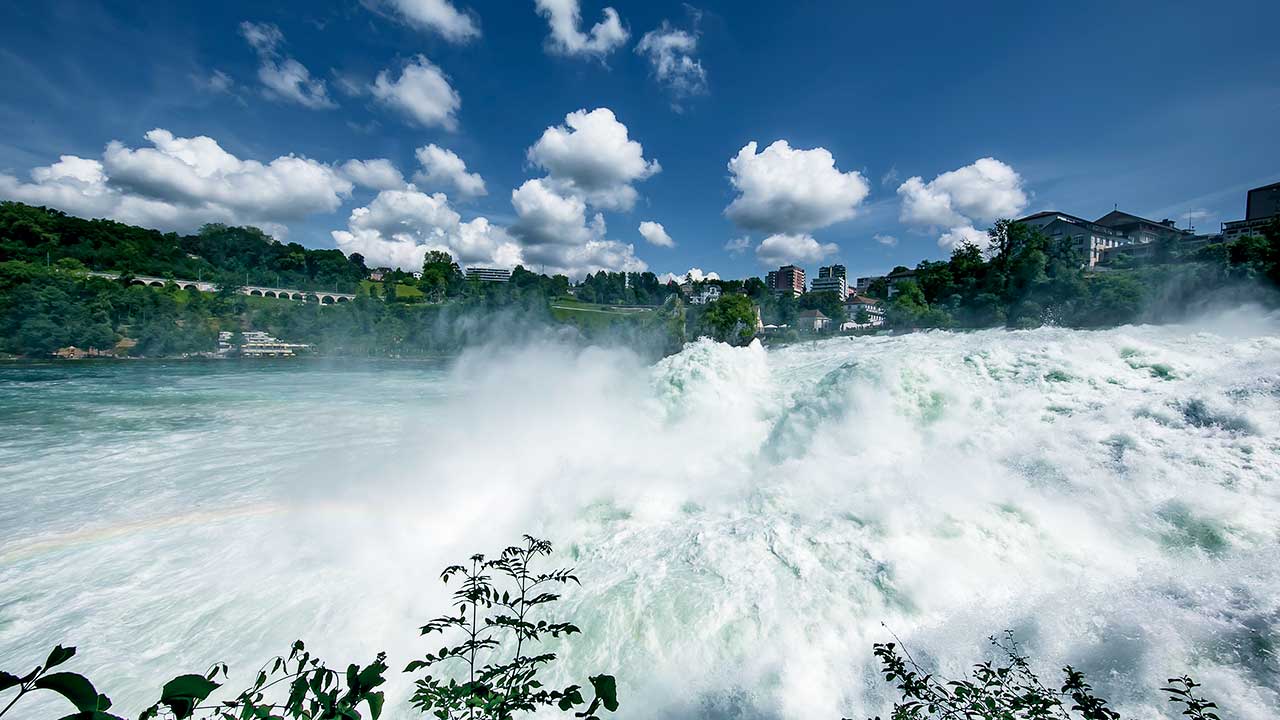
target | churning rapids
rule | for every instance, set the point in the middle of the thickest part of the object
(743, 520)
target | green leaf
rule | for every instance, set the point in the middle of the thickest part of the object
(375, 701)
(7, 681)
(183, 693)
(58, 656)
(75, 688)
(606, 688)
(91, 715)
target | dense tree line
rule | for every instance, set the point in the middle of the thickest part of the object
(45, 308)
(617, 288)
(1026, 279)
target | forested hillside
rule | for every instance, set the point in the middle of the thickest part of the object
(218, 253)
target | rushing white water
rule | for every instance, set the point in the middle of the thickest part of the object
(746, 523)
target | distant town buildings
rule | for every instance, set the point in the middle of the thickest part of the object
(831, 279)
(255, 343)
(786, 279)
(484, 274)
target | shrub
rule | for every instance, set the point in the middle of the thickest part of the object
(1010, 690)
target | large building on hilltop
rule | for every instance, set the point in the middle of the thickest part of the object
(1140, 230)
(786, 279)
(485, 274)
(1090, 239)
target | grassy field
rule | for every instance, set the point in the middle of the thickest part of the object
(402, 290)
(592, 315)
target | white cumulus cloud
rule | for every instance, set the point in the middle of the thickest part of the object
(797, 249)
(399, 226)
(565, 17)
(377, 174)
(439, 16)
(738, 245)
(655, 234)
(283, 77)
(557, 236)
(672, 55)
(787, 190)
(694, 274)
(592, 155)
(443, 168)
(978, 193)
(958, 236)
(422, 92)
(181, 183)
(886, 240)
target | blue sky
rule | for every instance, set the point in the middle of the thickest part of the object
(1164, 109)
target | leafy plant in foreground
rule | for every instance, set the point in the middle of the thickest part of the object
(301, 687)
(490, 680)
(296, 687)
(89, 703)
(1010, 691)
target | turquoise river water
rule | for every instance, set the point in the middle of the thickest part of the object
(746, 523)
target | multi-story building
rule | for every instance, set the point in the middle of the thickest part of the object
(830, 284)
(1145, 252)
(1140, 230)
(787, 278)
(861, 303)
(1263, 203)
(1261, 207)
(863, 284)
(831, 279)
(484, 274)
(1089, 239)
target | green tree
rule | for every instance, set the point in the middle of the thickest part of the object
(731, 319)
(907, 307)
